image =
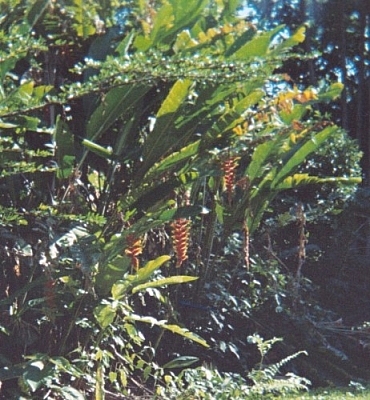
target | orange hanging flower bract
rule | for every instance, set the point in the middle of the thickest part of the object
(180, 238)
(133, 250)
(228, 167)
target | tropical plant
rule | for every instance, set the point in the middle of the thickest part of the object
(206, 383)
(120, 128)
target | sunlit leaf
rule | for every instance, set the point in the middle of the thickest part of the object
(145, 272)
(257, 46)
(104, 314)
(172, 280)
(162, 138)
(173, 328)
(302, 152)
(306, 179)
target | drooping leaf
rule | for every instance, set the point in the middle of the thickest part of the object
(301, 153)
(173, 328)
(7, 125)
(181, 362)
(144, 273)
(172, 280)
(305, 179)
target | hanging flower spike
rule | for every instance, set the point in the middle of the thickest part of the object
(180, 239)
(228, 167)
(133, 250)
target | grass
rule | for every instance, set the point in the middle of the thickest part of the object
(332, 394)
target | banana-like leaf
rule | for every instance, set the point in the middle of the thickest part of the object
(172, 280)
(173, 328)
(143, 274)
(165, 135)
(306, 179)
(230, 118)
(301, 154)
(261, 154)
(175, 158)
(258, 46)
(116, 103)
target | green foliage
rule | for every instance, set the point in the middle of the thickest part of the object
(110, 132)
(207, 383)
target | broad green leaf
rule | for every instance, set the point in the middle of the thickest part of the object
(66, 366)
(297, 37)
(120, 289)
(258, 46)
(302, 152)
(187, 11)
(34, 375)
(332, 93)
(172, 280)
(163, 137)
(261, 154)
(230, 119)
(116, 102)
(40, 91)
(163, 22)
(104, 314)
(175, 158)
(144, 273)
(175, 98)
(181, 362)
(295, 114)
(173, 328)
(306, 179)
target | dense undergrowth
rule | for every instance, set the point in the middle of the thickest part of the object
(169, 203)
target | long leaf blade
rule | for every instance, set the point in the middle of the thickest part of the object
(172, 280)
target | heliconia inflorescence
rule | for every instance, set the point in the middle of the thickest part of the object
(180, 239)
(228, 167)
(133, 250)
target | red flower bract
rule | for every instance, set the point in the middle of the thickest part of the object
(180, 238)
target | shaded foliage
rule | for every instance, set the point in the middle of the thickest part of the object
(151, 154)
